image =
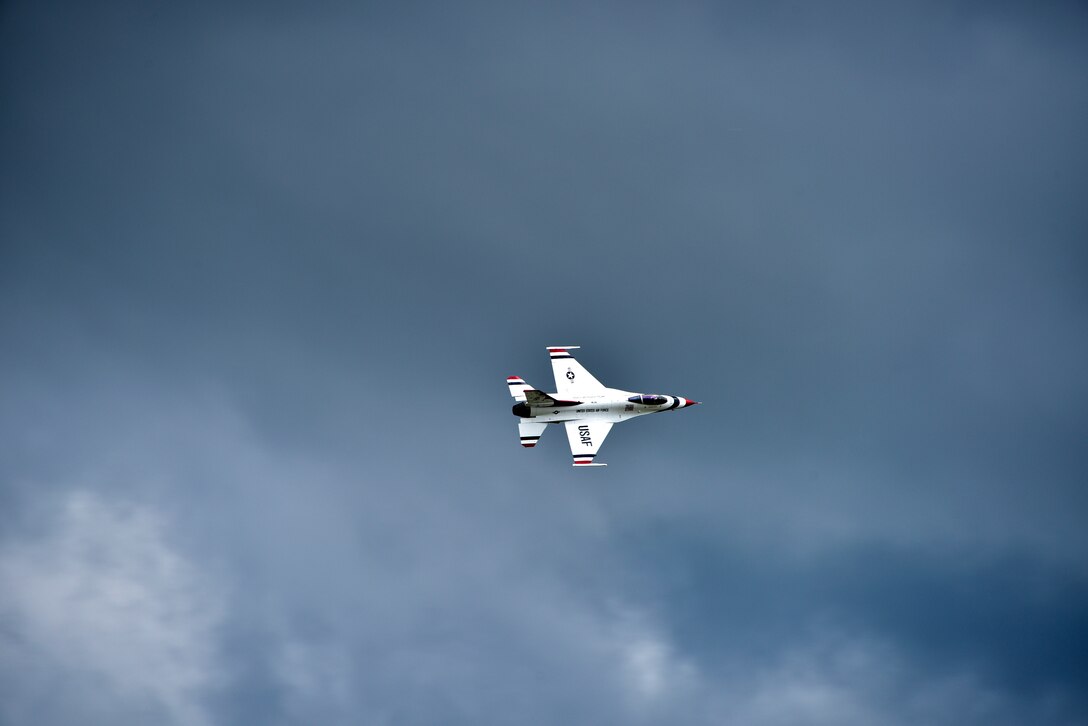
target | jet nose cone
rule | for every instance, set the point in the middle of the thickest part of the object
(689, 402)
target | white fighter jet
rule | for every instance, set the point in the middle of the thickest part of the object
(582, 404)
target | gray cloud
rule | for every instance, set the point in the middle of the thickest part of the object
(263, 271)
(101, 606)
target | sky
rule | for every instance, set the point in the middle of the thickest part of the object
(264, 268)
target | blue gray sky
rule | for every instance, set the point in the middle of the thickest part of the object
(265, 267)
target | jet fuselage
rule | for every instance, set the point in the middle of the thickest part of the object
(613, 406)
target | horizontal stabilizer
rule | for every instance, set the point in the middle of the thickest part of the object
(530, 433)
(517, 386)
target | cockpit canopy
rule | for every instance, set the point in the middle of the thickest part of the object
(648, 400)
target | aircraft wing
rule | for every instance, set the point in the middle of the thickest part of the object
(585, 437)
(572, 380)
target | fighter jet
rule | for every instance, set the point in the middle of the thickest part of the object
(585, 407)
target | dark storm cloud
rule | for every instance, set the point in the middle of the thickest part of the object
(1021, 623)
(265, 267)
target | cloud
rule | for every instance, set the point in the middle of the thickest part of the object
(834, 678)
(650, 668)
(101, 603)
(266, 267)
